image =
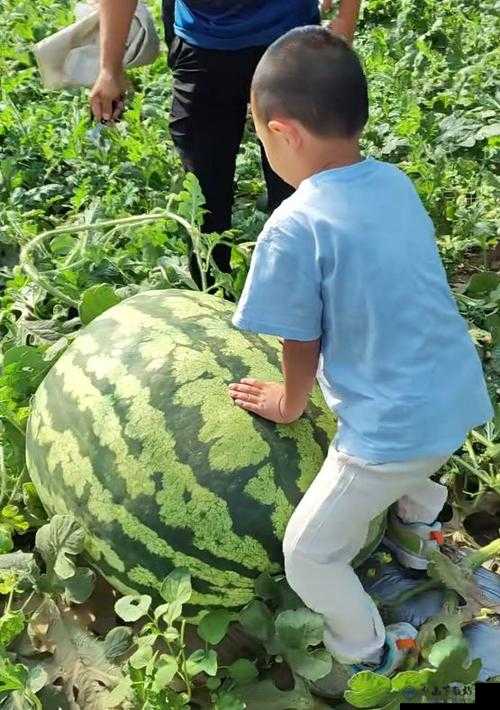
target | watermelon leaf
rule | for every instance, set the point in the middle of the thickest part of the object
(79, 587)
(56, 541)
(166, 670)
(169, 612)
(140, 658)
(202, 662)
(6, 543)
(368, 690)
(312, 665)
(12, 624)
(265, 694)
(95, 300)
(243, 671)
(214, 625)
(257, 620)
(117, 642)
(133, 607)
(450, 659)
(228, 701)
(300, 628)
(267, 588)
(177, 586)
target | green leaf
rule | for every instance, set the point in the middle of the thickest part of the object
(37, 678)
(267, 588)
(243, 671)
(177, 586)
(8, 581)
(132, 607)
(265, 695)
(214, 625)
(95, 300)
(414, 680)
(11, 625)
(453, 576)
(34, 510)
(311, 665)
(450, 659)
(6, 544)
(117, 642)
(168, 612)
(300, 628)
(481, 284)
(257, 620)
(166, 670)
(228, 701)
(80, 586)
(62, 244)
(12, 675)
(171, 634)
(58, 539)
(123, 691)
(202, 662)
(141, 657)
(368, 690)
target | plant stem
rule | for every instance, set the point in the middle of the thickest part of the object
(479, 557)
(26, 262)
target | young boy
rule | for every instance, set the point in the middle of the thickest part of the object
(347, 272)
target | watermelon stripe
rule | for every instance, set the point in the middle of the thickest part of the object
(133, 431)
(205, 514)
(77, 472)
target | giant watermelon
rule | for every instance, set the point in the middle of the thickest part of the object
(133, 432)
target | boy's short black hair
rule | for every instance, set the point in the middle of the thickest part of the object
(314, 77)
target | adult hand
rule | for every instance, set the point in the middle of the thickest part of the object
(107, 95)
(267, 399)
(326, 5)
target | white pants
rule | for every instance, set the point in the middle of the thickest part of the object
(329, 527)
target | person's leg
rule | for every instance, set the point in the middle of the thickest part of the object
(207, 121)
(423, 504)
(325, 533)
(413, 531)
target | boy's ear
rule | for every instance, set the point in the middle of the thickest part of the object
(286, 130)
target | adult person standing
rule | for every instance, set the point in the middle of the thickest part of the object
(214, 48)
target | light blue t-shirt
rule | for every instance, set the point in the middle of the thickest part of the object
(351, 258)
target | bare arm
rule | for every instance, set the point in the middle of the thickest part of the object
(300, 364)
(115, 20)
(347, 17)
(282, 402)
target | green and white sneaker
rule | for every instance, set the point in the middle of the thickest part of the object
(412, 543)
(400, 639)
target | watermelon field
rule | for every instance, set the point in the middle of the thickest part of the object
(141, 513)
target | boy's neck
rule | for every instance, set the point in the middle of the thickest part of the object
(328, 155)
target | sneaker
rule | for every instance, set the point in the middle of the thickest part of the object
(412, 543)
(399, 641)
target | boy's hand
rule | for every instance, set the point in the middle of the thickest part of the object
(267, 399)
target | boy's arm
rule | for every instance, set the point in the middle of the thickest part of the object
(115, 19)
(347, 17)
(282, 403)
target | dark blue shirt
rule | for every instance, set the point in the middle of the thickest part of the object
(236, 24)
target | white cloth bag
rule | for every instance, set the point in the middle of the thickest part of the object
(70, 57)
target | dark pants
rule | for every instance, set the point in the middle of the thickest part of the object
(209, 108)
